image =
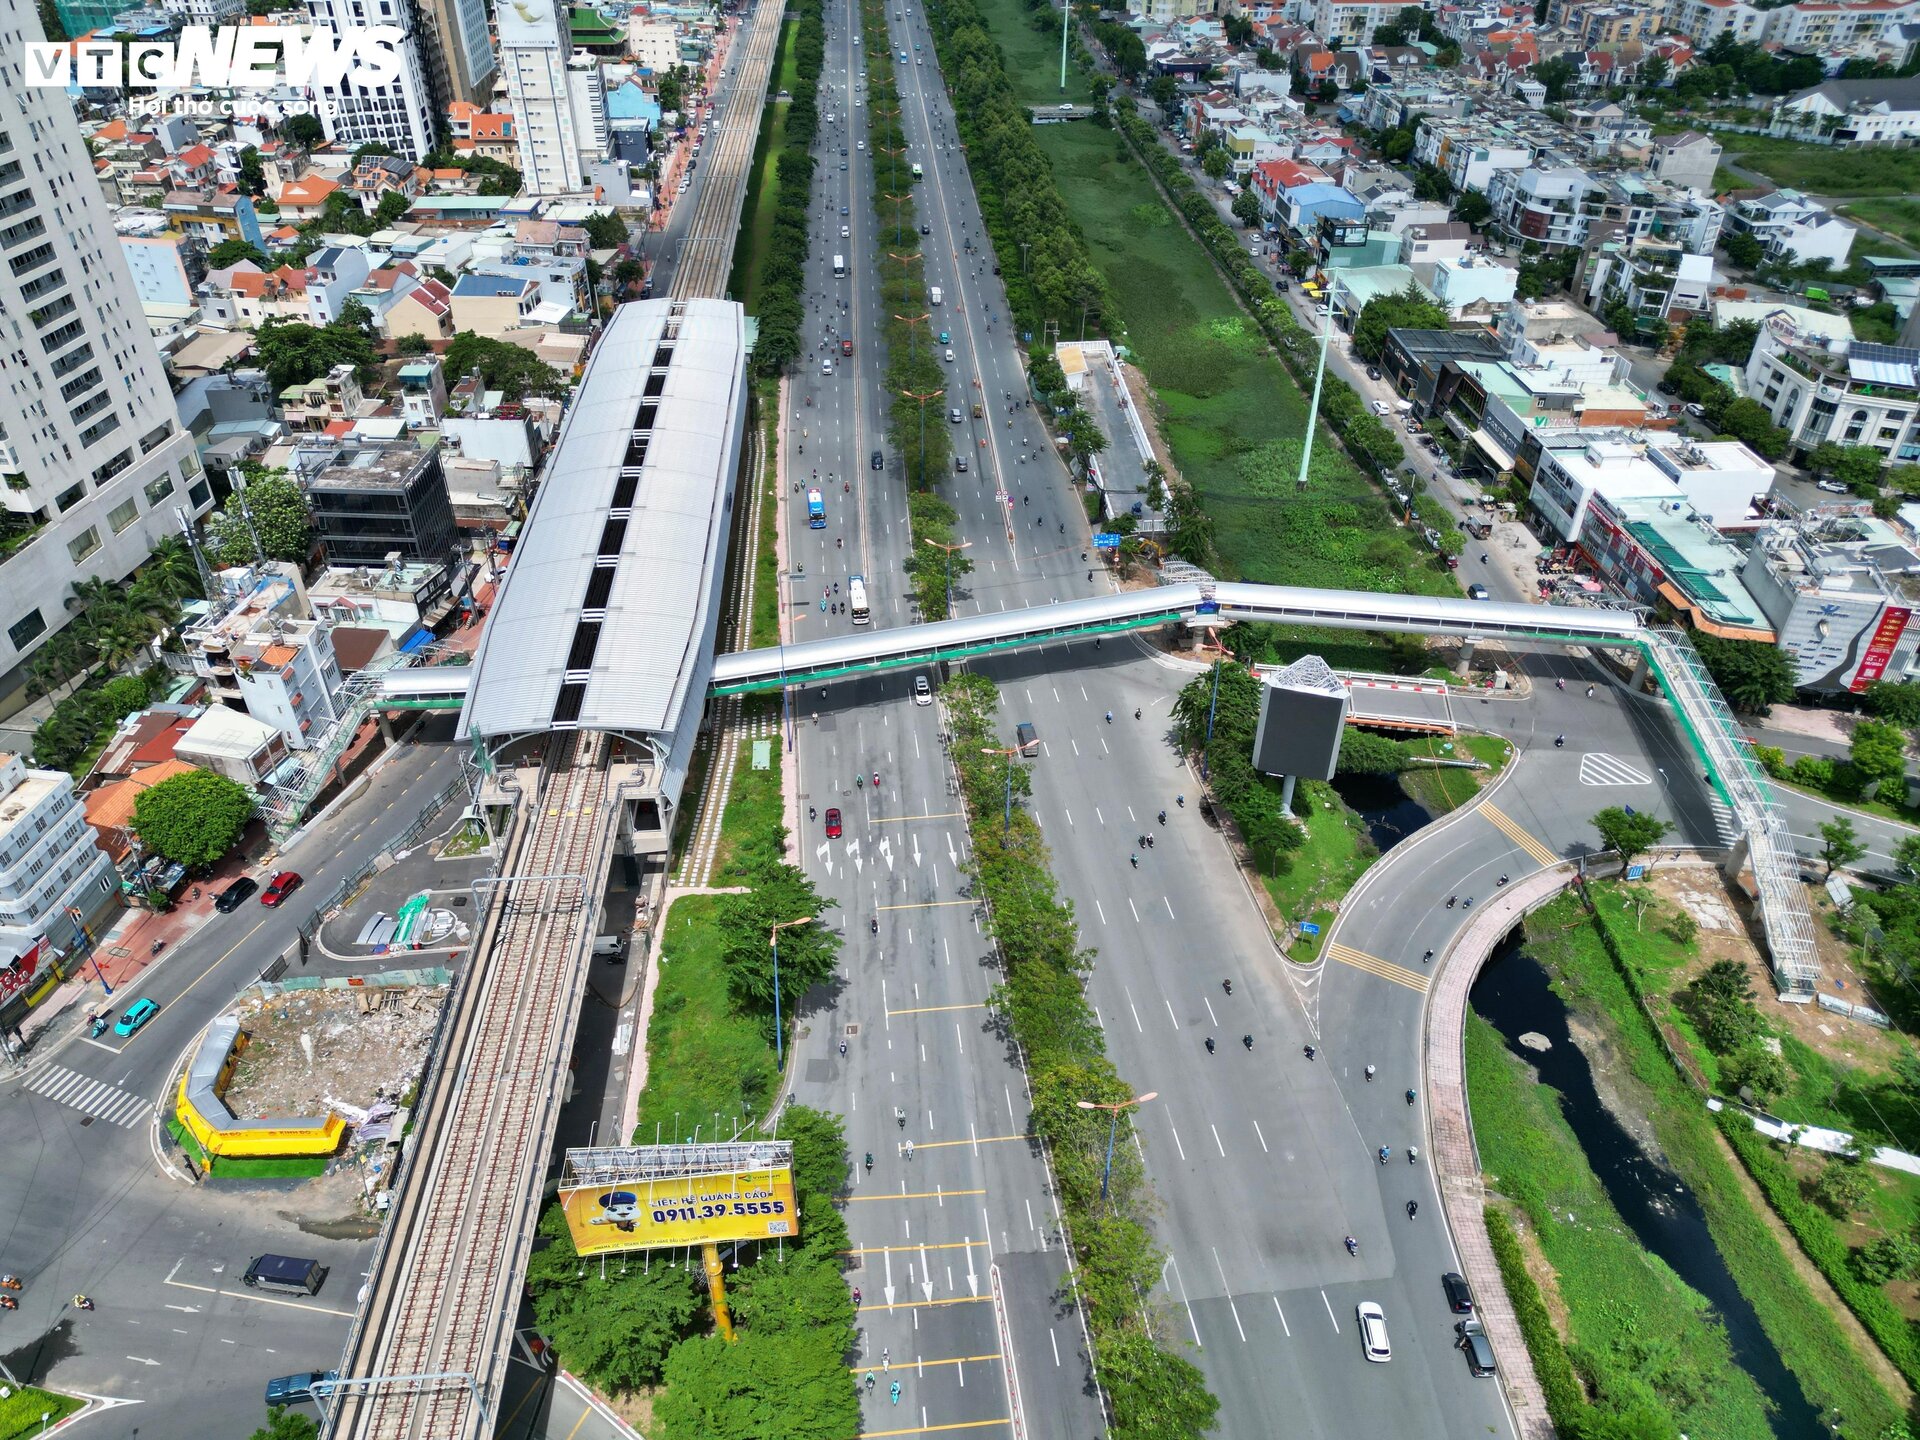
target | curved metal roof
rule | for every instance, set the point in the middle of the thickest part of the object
(662, 402)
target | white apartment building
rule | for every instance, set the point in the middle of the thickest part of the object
(1823, 388)
(551, 131)
(53, 878)
(587, 90)
(262, 651)
(398, 114)
(653, 44)
(1351, 23)
(95, 464)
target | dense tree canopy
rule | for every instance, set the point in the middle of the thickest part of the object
(279, 515)
(512, 369)
(193, 818)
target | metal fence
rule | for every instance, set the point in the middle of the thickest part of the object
(351, 885)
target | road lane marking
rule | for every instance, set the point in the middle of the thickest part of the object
(932, 1009)
(1375, 966)
(258, 1299)
(921, 1362)
(1511, 828)
(935, 1429)
(851, 1199)
(1330, 1315)
(926, 904)
(895, 1249)
(971, 1140)
(905, 819)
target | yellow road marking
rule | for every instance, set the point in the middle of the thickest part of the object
(931, 1429)
(909, 1195)
(929, 904)
(1374, 965)
(924, 1304)
(983, 1140)
(909, 1249)
(1511, 828)
(934, 1009)
(915, 1364)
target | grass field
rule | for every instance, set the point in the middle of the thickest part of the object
(22, 1412)
(703, 1059)
(1337, 853)
(1825, 169)
(1900, 218)
(763, 188)
(1441, 790)
(1617, 1296)
(753, 817)
(1230, 412)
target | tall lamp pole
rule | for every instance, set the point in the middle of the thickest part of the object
(911, 320)
(1007, 826)
(1319, 379)
(779, 1048)
(1113, 1126)
(949, 549)
(923, 399)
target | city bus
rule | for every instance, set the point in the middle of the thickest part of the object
(857, 600)
(816, 511)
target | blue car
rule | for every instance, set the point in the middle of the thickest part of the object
(137, 1015)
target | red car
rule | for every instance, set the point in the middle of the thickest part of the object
(281, 886)
(846, 347)
(833, 824)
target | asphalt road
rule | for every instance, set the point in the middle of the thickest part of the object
(93, 1209)
(969, 1214)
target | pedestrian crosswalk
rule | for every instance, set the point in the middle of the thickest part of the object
(1600, 769)
(90, 1096)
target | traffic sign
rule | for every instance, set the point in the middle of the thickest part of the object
(1636, 872)
(1307, 927)
(1106, 540)
(1207, 607)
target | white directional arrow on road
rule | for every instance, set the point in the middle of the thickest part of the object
(952, 859)
(887, 1289)
(825, 856)
(853, 854)
(885, 849)
(916, 850)
(926, 1272)
(973, 1280)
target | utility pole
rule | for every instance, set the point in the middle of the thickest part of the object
(1319, 378)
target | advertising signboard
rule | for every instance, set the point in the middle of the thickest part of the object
(1880, 647)
(644, 1197)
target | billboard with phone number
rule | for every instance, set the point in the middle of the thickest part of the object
(643, 1211)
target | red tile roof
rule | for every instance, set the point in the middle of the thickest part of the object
(194, 156)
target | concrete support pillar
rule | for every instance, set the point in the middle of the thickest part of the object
(1466, 656)
(385, 722)
(1641, 669)
(1286, 793)
(1736, 858)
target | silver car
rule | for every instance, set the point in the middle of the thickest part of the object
(1373, 1332)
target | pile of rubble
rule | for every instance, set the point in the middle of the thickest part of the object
(357, 1051)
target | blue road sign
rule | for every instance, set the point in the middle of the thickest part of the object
(1207, 607)
(1106, 540)
(1636, 872)
(1307, 927)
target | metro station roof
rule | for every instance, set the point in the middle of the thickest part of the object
(661, 401)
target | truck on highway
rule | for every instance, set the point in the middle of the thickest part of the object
(289, 1273)
(933, 293)
(918, 173)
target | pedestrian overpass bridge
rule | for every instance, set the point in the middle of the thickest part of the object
(1666, 654)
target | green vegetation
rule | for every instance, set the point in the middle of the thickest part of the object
(1899, 218)
(780, 272)
(1605, 965)
(1629, 833)
(765, 622)
(762, 202)
(1441, 789)
(1825, 169)
(293, 352)
(193, 818)
(287, 1424)
(1753, 677)
(750, 831)
(936, 562)
(266, 512)
(506, 367)
(1616, 1294)
(1154, 1394)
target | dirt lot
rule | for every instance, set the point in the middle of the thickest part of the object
(1724, 934)
(313, 1048)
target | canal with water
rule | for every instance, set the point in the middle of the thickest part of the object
(1512, 993)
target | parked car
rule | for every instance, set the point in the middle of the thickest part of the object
(1832, 487)
(1373, 1332)
(231, 898)
(1373, 372)
(1382, 409)
(1699, 412)
(1459, 1297)
(281, 886)
(1478, 592)
(833, 824)
(1667, 387)
(137, 1014)
(1471, 1338)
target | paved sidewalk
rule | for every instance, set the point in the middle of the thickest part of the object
(1450, 1147)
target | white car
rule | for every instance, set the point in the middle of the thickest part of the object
(845, 232)
(1380, 408)
(922, 691)
(862, 144)
(949, 357)
(1373, 1332)
(1832, 487)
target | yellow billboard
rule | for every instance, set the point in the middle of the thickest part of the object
(637, 1207)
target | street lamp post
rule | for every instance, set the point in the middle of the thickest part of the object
(910, 321)
(949, 549)
(923, 399)
(1319, 378)
(1007, 824)
(1113, 1126)
(774, 941)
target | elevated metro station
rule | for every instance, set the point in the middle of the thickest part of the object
(607, 618)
